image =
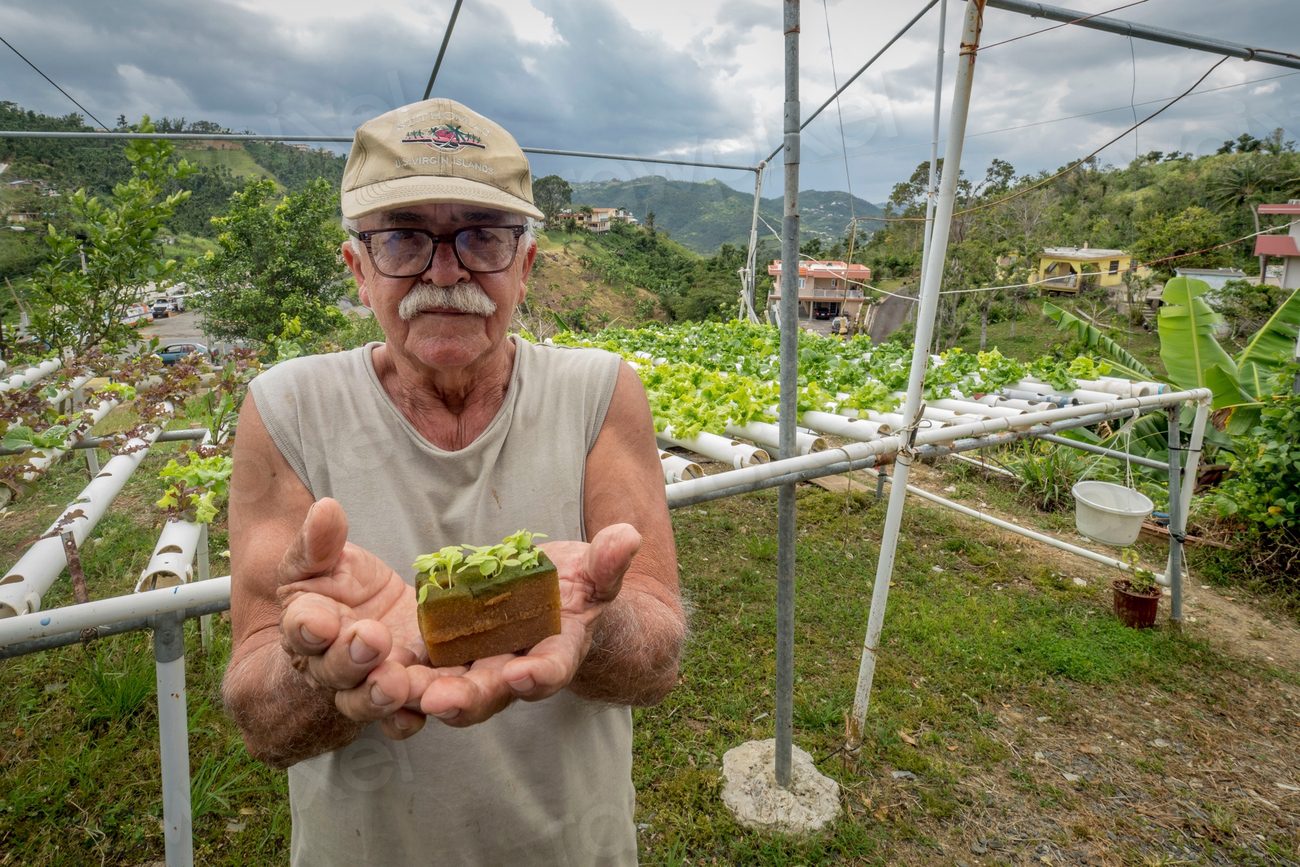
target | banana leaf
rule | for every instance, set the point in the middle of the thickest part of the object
(1187, 343)
(1271, 347)
(1122, 361)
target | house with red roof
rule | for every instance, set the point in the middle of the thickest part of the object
(826, 288)
(1286, 247)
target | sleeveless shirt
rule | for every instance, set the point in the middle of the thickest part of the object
(545, 782)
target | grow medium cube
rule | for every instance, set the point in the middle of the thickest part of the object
(481, 616)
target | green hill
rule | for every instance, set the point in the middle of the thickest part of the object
(704, 216)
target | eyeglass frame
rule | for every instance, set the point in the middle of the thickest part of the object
(365, 237)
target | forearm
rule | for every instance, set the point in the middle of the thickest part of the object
(283, 717)
(635, 651)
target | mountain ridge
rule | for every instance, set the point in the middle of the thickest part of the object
(704, 215)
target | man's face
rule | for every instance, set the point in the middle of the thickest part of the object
(433, 329)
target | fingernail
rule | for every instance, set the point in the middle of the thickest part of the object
(361, 652)
(449, 714)
(524, 684)
(402, 723)
(309, 636)
(378, 696)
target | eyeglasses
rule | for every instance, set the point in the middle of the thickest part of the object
(410, 252)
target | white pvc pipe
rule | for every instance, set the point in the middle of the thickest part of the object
(926, 436)
(172, 561)
(102, 612)
(23, 586)
(45, 457)
(1123, 387)
(927, 307)
(66, 392)
(970, 407)
(678, 468)
(717, 448)
(769, 435)
(843, 426)
(1083, 395)
(1000, 402)
(32, 374)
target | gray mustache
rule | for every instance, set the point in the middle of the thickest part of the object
(463, 298)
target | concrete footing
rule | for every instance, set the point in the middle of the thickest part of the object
(751, 792)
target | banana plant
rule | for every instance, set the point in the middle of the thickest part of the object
(1193, 357)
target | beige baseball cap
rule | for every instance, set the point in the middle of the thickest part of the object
(435, 151)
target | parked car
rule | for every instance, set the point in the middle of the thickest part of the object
(174, 352)
(161, 308)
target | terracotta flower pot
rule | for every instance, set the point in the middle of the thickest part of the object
(1135, 609)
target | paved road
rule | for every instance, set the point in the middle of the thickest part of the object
(177, 327)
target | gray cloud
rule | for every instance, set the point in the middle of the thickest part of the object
(610, 87)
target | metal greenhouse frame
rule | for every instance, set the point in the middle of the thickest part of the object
(164, 610)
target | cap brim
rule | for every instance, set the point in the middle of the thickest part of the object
(424, 190)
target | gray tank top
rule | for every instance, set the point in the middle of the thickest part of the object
(546, 782)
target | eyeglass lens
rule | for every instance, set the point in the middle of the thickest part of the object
(408, 252)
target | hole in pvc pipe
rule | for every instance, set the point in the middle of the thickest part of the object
(12, 579)
(169, 549)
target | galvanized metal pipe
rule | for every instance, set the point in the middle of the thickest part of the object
(442, 50)
(785, 503)
(94, 633)
(1110, 453)
(168, 436)
(1043, 538)
(1148, 33)
(1177, 520)
(72, 619)
(747, 310)
(345, 139)
(929, 301)
(845, 86)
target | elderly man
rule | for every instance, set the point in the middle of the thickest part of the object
(350, 465)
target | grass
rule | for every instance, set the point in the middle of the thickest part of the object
(998, 675)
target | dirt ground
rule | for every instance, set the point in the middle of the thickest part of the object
(1218, 617)
(1147, 777)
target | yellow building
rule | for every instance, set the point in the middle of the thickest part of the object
(1060, 269)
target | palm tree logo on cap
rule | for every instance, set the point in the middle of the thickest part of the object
(448, 137)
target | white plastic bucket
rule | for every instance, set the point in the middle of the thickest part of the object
(1108, 512)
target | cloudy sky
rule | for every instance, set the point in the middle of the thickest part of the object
(692, 79)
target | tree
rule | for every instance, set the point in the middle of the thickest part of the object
(1247, 182)
(552, 194)
(276, 260)
(1189, 235)
(98, 266)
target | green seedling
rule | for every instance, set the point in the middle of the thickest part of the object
(439, 569)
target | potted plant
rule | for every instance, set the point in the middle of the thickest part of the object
(478, 601)
(1136, 594)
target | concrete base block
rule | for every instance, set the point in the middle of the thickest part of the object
(751, 793)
